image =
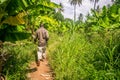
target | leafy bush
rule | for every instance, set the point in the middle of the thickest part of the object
(21, 54)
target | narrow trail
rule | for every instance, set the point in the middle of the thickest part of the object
(42, 72)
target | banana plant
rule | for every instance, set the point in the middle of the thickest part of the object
(23, 8)
(19, 6)
(107, 19)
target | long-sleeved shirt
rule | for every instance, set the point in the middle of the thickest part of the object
(42, 36)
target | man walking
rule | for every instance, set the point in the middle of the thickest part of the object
(42, 36)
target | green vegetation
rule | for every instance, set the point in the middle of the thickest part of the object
(21, 54)
(91, 51)
(77, 50)
(77, 59)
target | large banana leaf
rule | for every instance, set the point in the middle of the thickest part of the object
(15, 20)
(23, 5)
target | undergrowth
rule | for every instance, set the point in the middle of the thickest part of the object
(77, 58)
(21, 54)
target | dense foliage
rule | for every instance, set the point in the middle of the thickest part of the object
(76, 58)
(25, 15)
(21, 54)
(77, 50)
(91, 51)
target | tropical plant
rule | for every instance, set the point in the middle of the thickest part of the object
(23, 12)
(58, 14)
(95, 2)
(74, 3)
(61, 8)
(107, 19)
(80, 18)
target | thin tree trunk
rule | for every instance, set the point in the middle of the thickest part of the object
(74, 13)
(95, 4)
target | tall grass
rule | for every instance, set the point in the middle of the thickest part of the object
(78, 59)
(21, 54)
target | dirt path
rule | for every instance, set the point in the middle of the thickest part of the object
(41, 72)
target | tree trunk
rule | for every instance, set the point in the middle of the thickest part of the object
(95, 4)
(74, 13)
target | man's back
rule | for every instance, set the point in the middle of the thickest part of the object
(42, 36)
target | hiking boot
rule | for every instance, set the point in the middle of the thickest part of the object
(38, 63)
(43, 57)
(41, 60)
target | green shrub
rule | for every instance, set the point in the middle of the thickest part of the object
(21, 55)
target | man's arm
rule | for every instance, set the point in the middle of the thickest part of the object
(47, 36)
(35, 37)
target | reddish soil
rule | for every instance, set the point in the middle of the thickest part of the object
(41, 72)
